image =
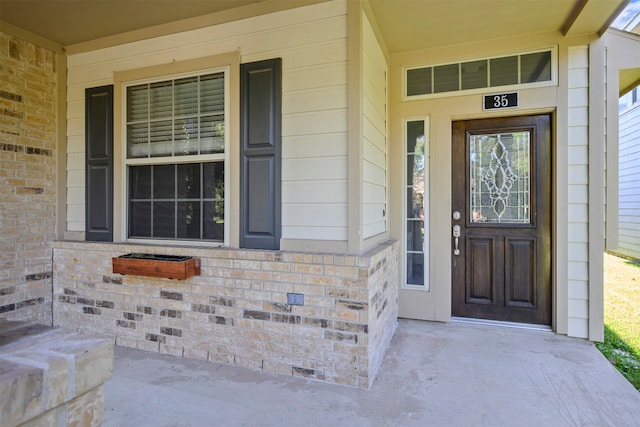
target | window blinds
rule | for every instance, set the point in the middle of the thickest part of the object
(176, 117)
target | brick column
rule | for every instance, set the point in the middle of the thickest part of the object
(28, 97)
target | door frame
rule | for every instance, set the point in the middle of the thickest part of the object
(577, 126)
(435, 304)
(538, 231)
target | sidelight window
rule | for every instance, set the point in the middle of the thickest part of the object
(417, 202)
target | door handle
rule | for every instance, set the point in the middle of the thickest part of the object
(456, 236)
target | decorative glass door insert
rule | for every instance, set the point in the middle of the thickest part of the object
(500, 171)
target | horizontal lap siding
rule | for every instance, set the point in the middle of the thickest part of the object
(578, 269)
(312, 44)
(629, 196)
(374, 135)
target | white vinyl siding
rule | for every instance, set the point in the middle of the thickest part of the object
(629, 184)
(312, 44)
(374, 135)
(578, 169)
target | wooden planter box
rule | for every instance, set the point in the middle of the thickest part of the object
(154, 265)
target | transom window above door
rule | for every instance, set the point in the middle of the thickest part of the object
(530, 69)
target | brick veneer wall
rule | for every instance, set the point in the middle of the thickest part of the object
(236, 311)
(27, 178)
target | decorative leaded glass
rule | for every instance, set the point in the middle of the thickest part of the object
(500, 189)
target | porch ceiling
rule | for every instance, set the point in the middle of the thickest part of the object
(629, 79)
(69, 22)
(411, 25)
(406, 25)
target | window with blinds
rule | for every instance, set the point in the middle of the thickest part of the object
(176, 117)
(175, 158)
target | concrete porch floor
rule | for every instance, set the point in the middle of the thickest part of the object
(433, 374)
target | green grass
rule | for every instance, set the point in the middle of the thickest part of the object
(622, 317)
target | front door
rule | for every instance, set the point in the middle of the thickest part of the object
(501, 219)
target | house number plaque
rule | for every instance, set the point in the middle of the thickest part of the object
(501, 100)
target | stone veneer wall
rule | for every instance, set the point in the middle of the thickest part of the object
(236, 311)
(27, 178)
(51, 377)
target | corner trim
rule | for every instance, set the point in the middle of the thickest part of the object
(354, 132)
(596, 189)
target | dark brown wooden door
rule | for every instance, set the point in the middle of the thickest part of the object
(501, 185)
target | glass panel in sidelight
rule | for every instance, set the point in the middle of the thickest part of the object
(415, 203)
(415, 269)
(415, 152)
(500, 169)
(415, 194)
(415, 235)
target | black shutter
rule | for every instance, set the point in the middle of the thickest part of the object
(260, 105)
(99, 164)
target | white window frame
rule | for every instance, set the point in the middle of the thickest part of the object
(488, 89)
(426, 204)
(200, 158)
